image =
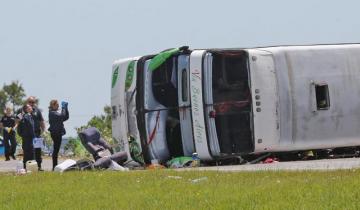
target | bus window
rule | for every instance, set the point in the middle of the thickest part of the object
(164, 84)
(184, 91)
(322, 96)
(232, 101)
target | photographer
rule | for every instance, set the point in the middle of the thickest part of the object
(57, 130)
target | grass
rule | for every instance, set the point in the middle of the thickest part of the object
(166, 189)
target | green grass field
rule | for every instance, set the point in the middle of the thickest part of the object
(166, 189)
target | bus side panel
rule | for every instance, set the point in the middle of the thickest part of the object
(337, 67)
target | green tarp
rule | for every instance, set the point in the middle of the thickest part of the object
(161, 58)
(179, 162)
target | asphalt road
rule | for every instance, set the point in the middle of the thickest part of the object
(10, 166)
(325, 164)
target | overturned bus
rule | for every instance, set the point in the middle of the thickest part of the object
(223, 103)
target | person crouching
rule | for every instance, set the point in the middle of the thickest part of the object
(57, 130)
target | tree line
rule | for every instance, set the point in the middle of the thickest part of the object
(14, 95)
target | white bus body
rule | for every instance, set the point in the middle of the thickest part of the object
(228, 102)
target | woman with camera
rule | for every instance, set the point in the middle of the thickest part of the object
(57, 129)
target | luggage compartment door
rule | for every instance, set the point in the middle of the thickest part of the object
(265, 101)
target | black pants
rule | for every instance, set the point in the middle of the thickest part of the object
(10, 144)
(57, 143)
(30, 152)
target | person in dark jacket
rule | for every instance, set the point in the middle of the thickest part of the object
(39, 125)
(26, 130)
(8, 124)
(57, 130)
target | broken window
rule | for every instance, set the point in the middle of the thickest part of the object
(322, 96)
(232, 101)
(230, 78)
(164, 84)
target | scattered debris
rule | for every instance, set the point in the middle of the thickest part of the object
(270, 160)
(259, 158)
(174, 177)
(21, 172)
(308, 155)
(114, 166)
(31, 165)
(155, 165)
(179, 162)
(199, 179)
(64, 165)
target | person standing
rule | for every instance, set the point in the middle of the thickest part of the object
(39, 125)
(26, 129)
(57, 129)
(8, 124)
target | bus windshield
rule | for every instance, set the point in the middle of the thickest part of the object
(164, 86)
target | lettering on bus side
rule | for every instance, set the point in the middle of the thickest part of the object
(199, 129)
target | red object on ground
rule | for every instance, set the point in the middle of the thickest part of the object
(271, 160)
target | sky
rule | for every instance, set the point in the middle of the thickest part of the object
(64, 49)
